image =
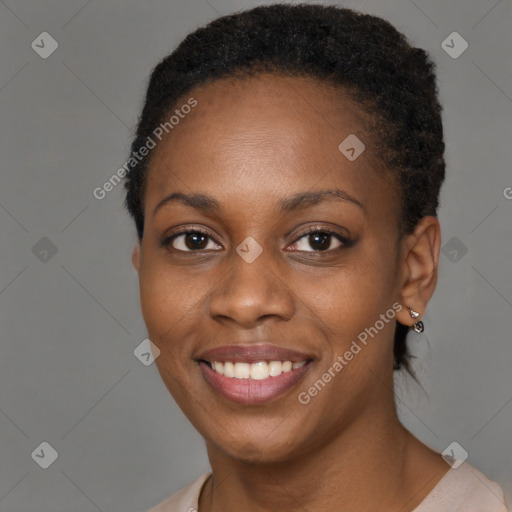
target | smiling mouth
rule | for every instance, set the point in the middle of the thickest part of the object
(253, 373)
(256, 383)
(259, 370)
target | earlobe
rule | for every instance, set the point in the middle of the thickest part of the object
(136, 257)
(420, 269)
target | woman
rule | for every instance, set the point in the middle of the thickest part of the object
(284, 185)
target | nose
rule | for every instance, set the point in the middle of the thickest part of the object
(251, 292)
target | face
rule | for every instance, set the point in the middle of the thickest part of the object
(268, 269)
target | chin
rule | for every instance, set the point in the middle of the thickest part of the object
(273, 442)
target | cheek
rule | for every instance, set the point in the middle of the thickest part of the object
(350, 296)
(170, 308)
(166, 294)
(348, 302)
(167, 305)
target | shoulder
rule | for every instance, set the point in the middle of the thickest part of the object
(464, 489)
(185, 500)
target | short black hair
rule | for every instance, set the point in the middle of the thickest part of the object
(363, 55)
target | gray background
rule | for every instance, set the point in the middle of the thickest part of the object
(71, 321)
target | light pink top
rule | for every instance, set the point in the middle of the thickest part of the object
(464, 489)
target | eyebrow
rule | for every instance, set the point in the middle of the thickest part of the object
(296, 202)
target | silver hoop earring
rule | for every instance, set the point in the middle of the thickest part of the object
(418, 325)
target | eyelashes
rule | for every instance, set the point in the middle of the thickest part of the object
(168, 241)
(315, 235)
(197, 240)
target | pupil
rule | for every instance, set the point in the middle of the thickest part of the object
(322, 245)
(194, 244)
(319, 241)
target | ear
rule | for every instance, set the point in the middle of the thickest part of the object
(420, 260)
(136, 257)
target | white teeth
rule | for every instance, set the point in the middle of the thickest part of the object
(218, 367)
(242, 370)
(229, 369)
(286, 366)
(257, 371)
(274, 368)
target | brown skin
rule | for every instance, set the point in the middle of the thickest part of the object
(249, 144)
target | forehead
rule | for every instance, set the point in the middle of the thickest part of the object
(269, 111)
(267, 134)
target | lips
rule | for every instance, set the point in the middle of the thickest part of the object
(241, 384)
(253, 353)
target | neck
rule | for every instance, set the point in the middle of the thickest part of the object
(366, 467)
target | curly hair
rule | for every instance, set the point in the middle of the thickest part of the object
(361, 54)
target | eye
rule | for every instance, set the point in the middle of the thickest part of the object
(317, 239)
(321, 240)
(191, 240)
